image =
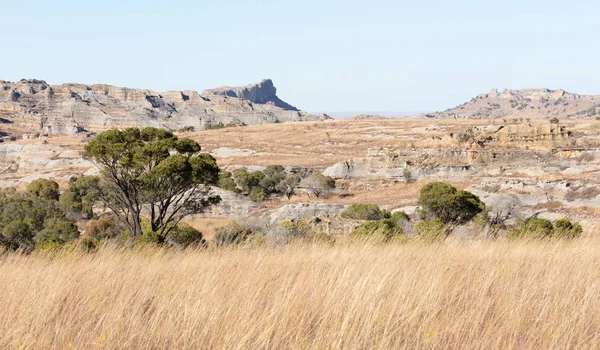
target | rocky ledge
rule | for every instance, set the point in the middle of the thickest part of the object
(36, 106)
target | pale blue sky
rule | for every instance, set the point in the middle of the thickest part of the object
(323, 55)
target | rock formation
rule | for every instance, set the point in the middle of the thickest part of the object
(35, 106)
(525, 104)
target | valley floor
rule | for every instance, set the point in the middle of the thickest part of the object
(492, 294)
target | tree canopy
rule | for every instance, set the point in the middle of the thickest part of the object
(152, 169)
(444, 202)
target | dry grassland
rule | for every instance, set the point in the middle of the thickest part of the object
(493, 294)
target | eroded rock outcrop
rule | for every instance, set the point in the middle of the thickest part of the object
(36, 106)
(524, 104)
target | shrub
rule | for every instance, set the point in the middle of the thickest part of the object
(22, 216)
(246, 181)
(400, 216)
(187, 129)
(17, 234)
(444, 202)
(385, 228)
(365, 212)
(56, 233)
(234, 233)
(79, 198)
(566, 229)
(227, 182)
(258, 194)
(274, 174)
(46, 189)
(87, 244)
(319, 184)
(430, 229)
(542, 228)
(106, 227)
(296, 228)
(184, 235)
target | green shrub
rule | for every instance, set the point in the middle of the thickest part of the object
(106, 227)
(430, 229)
(365, 212)
(88, 244)
(246, 181)
(56, 233)
(274, 174)
(400, 216)
(42, 188)
(23, 216)
(184, 235)
(542, 228)
(79, 198)
(227, 182)
(234, 233)
(296, 228)
(17, 235)
(532, 228)
(566, 229)
(443, 201)
(188, 128)
(258, 194)
(384, 228)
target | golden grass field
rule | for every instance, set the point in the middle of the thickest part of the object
(492, 294)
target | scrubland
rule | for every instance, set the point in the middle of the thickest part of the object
(464, 294)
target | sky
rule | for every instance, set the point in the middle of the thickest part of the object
(344, 56)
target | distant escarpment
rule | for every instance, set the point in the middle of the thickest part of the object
(525, 104)
(35, 106)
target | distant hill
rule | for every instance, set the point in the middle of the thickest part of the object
(35, 106)
(527, 104)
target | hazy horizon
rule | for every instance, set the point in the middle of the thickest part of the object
(322, 55)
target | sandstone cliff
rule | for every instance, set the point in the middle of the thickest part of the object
(35, 106)
(525, 104)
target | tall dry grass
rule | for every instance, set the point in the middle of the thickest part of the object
(455, 295)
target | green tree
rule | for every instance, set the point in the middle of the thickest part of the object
(246, 181)
(152, 169)
(79, 198)
(274, 175)
(443, 201)
(43, 188)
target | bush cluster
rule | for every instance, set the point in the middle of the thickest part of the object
(34, 219)
(386, 227)
(365, 212)
(542, 228)
(259, 185)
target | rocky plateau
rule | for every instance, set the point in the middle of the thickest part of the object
(32, 107)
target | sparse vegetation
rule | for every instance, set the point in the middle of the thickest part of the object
(542, 228)
(318, 184)
(365, 212)
(187, 129)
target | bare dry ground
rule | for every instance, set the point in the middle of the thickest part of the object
(494, 294)
(332, 141)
